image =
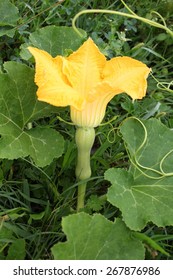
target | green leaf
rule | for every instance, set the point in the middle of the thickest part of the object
(145, 192)
(17, 250)
(7, 30)
(6, 236)
(94, 203)
(53, 39)
(19, 107)
(9, 16)
(96, 238)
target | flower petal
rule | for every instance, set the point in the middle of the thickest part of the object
(125, 74)
(53, 86)
(103, 89)
(83, 68)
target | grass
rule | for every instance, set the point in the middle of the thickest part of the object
(34, 200)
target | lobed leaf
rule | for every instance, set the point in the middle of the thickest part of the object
(96, 238)
(145, 192)
(18, 107)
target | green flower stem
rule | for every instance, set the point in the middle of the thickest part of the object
(81, 196)
(84, 140)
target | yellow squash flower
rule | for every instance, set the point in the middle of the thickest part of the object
(86, 81)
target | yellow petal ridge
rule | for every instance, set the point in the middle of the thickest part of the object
(83, 67)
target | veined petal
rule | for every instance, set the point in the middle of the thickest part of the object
(93, 113)
(127, 75)
(83, 68)
(53, 86)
